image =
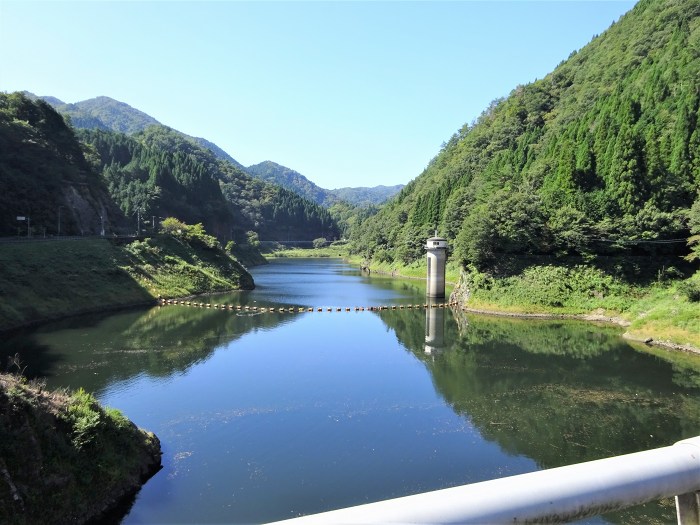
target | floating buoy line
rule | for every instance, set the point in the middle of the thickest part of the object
(301, 309)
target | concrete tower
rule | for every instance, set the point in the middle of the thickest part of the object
(437, 256)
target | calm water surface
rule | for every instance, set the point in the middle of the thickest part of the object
(268, 416)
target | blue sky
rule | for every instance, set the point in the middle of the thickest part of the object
(355, 93)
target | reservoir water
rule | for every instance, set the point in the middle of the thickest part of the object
(265, 416)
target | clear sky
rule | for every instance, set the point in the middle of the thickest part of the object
(356, 93)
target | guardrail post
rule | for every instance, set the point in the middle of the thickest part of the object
(688, 508)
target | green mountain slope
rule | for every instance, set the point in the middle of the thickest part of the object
(600, 156)
(363, 196)
(289, 179)
(110, 113)
(90, 181)
(294, 181)
(44, 176)
(159, 172)
(106, 114)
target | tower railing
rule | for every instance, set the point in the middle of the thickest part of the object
(557, 495)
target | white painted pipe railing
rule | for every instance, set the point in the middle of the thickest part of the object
(549, 496)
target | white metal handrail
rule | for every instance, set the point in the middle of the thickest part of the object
(556, 495)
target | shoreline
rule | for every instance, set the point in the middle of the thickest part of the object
(44, 466)
(588, 317)
(594, 318)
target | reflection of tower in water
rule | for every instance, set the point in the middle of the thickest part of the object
(434, 330)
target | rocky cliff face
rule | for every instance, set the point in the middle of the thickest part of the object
(460, 293)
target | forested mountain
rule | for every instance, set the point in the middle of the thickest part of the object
(105, 113)
(600, 156)
(294, 181)
(44, 176)
(159, 172)
(291, 180)
(363, 196)
(86, 181)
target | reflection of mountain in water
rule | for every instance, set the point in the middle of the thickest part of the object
(557, 392)
(158, 342)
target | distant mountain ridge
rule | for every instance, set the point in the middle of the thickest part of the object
(274, 173)
(362, 195)
(294, 181)
(105, 113)
(108, 114)
(126, 181)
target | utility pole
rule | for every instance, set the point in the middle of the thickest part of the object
(21, 218)
(139, 211)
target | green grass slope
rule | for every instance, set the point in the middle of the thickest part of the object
(663, 309)
(48, 280)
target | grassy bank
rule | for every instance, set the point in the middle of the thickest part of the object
(652, 298)
(47, 280)
(63, 458)
(662, 309)
(326, 251)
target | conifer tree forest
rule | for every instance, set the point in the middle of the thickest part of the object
(78, 182)
(602, 156)
(164, 173)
